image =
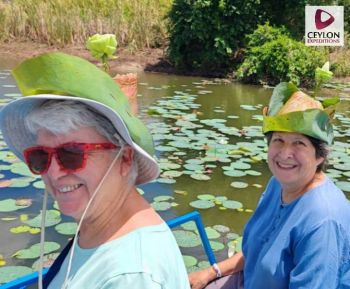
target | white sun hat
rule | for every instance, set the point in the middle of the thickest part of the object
(60, 76)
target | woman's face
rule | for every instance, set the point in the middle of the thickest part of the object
(74, 190)
(292, 159)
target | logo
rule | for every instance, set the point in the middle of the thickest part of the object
(318, 19)
(324, 25)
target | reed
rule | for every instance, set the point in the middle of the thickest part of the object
(136, 23)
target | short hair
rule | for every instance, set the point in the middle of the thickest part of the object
(62, 116)
(322, 150)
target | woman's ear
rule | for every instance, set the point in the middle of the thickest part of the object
(126, 160)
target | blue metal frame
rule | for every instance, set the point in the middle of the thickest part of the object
(22, 282)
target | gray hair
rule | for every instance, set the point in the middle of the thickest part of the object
(63, 116)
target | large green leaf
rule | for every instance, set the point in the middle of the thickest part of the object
(63, 74)
(281, 93)
(311, 122)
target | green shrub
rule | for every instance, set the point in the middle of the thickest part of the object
(280, 59)
(204, 34)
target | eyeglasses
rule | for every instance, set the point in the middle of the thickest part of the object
(71, 157)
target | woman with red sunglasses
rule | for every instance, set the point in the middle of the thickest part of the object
(74, 127)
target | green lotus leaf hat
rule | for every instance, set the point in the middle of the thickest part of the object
(65, 77)
(291, 110)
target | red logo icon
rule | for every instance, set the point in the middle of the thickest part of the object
(318, 21)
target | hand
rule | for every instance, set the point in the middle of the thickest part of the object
(200, 279)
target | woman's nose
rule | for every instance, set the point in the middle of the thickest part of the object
(286, 151)
(54, 171)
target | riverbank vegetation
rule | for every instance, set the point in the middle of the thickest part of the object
(244, 39)
(136, 23)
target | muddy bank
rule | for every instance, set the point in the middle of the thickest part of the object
(127, 61)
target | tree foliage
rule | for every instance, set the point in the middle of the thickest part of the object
(204, 34)
(277, 57)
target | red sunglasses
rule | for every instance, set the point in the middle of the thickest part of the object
(71, 157)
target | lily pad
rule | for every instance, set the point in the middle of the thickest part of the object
(202, 204)
(34, 251)
(200, 177)
(229, 204)
(239, 185)
(212, 233)
(68, 228)
(10, 273)
(53, 217)
(189, 261)
(47, 261)
(187, 239)
(9, 205)
(161, 206)
(216, 246)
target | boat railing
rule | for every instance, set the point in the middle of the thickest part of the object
(30, 279)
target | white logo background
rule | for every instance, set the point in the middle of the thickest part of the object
(332, 35)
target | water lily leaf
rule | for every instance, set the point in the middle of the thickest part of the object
(253, 173)
(20, 229)
(39, 185)
(47, 261)
(187, 239)
(9, 205)
(171, 174)
(189, 261)
(206, 197)
(232, 236)
(8, 219)
(9, 273)
(216, 246)
(229, 204)
(202, 204)
(166, 181)
(162, 198)
(212, 233)
(179, 192)
(68, 228)
(194, 167)
(195, 161)
(221, 228)
(21, 169)
(200, 177)
(20, 182)
(53, 217)
(344, 186)
(34, 251)
(239, 185)
(34, 231)
(190, 226)
(203, 264)
(234, 173)
(165, 148)
(161, 206)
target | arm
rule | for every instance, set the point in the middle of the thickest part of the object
(200, 279)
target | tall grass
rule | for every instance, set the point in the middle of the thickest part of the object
(136, 23)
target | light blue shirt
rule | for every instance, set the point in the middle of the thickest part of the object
(302, 244)
(147, 258)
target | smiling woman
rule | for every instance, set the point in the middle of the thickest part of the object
(74, 127)
(298, 237)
